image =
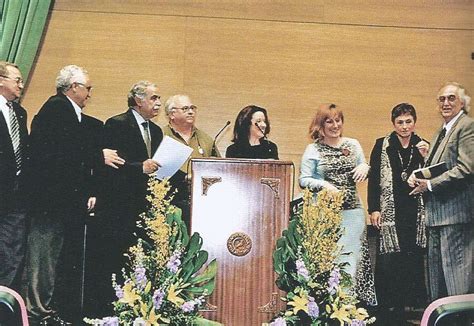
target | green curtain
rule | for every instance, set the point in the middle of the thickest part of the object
(21, 27)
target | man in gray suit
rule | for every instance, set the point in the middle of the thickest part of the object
(449, 197)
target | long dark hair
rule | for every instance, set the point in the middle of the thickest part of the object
(243, 122)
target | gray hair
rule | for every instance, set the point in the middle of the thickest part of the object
(4, 65)
(69, 75)
(172, 101)
(139, 90)
(462, 93)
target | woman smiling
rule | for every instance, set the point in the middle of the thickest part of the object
(337, 163)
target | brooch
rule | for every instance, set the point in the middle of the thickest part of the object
(345, 151)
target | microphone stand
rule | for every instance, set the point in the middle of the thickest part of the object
(213, 151)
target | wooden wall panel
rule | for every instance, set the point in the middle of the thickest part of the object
(412, 13)
(117, 50)
(283, 55)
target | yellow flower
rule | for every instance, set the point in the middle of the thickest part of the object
(299, 302)
(320, 221)
(359, 313)
(153, 318)
(342, 314)
(129, 294)
(143, 309)
(173, 295)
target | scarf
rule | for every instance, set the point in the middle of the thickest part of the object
(388, 231)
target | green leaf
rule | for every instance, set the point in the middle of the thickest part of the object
(207, 274)
(195, 244)
(200, 321)
(198, 290)
(188, 270)
(200, 260)
(148, 287)
(278, 264)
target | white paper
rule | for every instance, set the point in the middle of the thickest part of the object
(171, 154)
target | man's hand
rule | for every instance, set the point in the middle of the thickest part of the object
(91, 203)
(423, 148)
(360, 172)
(375, 218)
(150, 166)
(112, 159)
(421, 185)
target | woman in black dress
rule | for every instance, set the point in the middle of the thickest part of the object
(250, 135)
(399, 218)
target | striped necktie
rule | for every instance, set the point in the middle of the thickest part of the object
(147, 137)
(15, 136)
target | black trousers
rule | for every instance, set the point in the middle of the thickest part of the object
(13, 240)
(54, 265)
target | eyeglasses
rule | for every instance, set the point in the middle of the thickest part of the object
(89, 88)
(17, 80)
(187, 108)
(451, 98)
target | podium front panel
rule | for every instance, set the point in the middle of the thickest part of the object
(240, 208)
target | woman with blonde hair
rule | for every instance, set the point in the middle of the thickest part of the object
(337, 163)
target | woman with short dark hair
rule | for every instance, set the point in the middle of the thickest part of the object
(398, 217)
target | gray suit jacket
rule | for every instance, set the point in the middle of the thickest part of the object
(452, 197)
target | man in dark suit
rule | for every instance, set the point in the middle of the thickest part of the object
(65, 151)
(449, 197)
(136, 138)
(13, 148)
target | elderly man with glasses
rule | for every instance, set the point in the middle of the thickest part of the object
(181, 114)
(65, 152)
(13, 148)
(449, 197)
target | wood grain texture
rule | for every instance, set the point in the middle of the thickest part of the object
(241, 203)
(408, 13)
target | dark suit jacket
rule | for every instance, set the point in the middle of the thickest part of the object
(128, 185)
(451, 201)
(7, 158)
(64, 154)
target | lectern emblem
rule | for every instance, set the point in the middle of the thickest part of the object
(239, 244)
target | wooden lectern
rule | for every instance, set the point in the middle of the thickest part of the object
(240, 207)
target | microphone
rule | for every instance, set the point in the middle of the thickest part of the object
(262, 130)
(214, 153)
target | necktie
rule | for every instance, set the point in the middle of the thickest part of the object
(15, 136)
(147, 137)
(440, 138)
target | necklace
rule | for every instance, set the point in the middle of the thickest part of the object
(404, 174)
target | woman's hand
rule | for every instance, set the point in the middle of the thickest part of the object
(423, 148)
(331, 188)
(360, 172)
(375, 218)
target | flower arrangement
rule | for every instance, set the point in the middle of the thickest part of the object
(305, 259)
(165, 282)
